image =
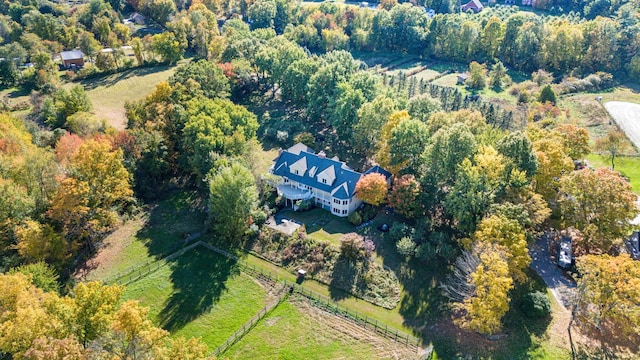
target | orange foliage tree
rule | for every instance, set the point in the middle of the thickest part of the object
(372, 188)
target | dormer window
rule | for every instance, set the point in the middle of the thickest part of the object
(324, 180)
(297, 172)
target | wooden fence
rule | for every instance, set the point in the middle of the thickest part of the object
(281, 296)
(360, 319)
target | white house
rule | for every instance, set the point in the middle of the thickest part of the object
(329, 182)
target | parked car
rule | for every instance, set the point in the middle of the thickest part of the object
(565, 256)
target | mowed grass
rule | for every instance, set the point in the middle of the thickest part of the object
(109, 93)
(201, 294)
(627, 166)
(320, 224)
(292, 332)
(157, 232)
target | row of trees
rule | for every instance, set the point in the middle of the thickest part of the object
(90, 323)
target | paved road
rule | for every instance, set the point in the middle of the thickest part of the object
(561, 285)
(627, 115)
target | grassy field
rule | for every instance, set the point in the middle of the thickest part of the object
(201, 294)
(156, 232)
(109, 93)
(296, 330)
(627, 166)
(584, 110)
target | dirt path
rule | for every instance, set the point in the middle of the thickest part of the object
(112, 247)
(627, 115)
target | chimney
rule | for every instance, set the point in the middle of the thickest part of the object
(322, 154)
(280, 151)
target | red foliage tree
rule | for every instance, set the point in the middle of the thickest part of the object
(403, 198)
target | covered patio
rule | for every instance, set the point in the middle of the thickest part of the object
(293, 193)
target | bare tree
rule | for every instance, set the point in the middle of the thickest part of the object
(458, 286)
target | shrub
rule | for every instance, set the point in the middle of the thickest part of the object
(398, 230)
(547, 95)
(352, 246)
(355, 218)
(536, 305)
(305, 205)
(406, 246)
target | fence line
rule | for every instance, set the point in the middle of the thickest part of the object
(318, 300)
(360, 319)
(149, 267)
(281, 296)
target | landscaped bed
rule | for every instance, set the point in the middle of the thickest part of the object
(297, 330)
(357, 273)
(200, 294)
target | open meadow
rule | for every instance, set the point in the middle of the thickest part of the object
(108, 94)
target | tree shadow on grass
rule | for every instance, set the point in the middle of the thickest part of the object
(171, 221)
(198, 278)
(112, 79)
(344, 277)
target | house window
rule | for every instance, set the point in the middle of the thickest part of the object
(345, 202)
(336, 201)
(286, 181)
(335, 210)
(297, 172)
(344, 212)
(324, 181)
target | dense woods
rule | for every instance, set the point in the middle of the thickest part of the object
(472, 187)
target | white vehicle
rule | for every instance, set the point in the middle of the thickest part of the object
(564, 253)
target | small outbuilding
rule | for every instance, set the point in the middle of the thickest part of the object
(474, 5)
(72, 58)
(462, 77)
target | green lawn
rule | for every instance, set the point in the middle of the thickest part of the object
(628, 166)
(295, 331)
(200, 294)
(157, 232)
(109, 93)
(321, 225)
(427, 75)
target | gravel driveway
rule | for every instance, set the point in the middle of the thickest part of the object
(627, 115)
(561, 285)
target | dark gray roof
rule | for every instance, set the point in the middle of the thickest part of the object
(71, 55)
(343, 174)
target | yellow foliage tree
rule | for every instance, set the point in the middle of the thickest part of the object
(553, 162)
(608, 298)
(509, 236)
(491, 282)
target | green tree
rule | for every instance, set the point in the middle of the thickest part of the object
(614, 143)
(498, 76)
(232, 199)
(296, 78)
(159, 10)
(477, 186)
(547, 95)
(168, 47)
(407, 144)
(517, 147)
(448, 147)
(600, 204)
(477, 73)
(422, 106)
(40, 275)
(209, 76)
(215, 125)
(262, 13)
(371, 118)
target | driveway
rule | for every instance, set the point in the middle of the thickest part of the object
(627, 115)
(560, 284)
